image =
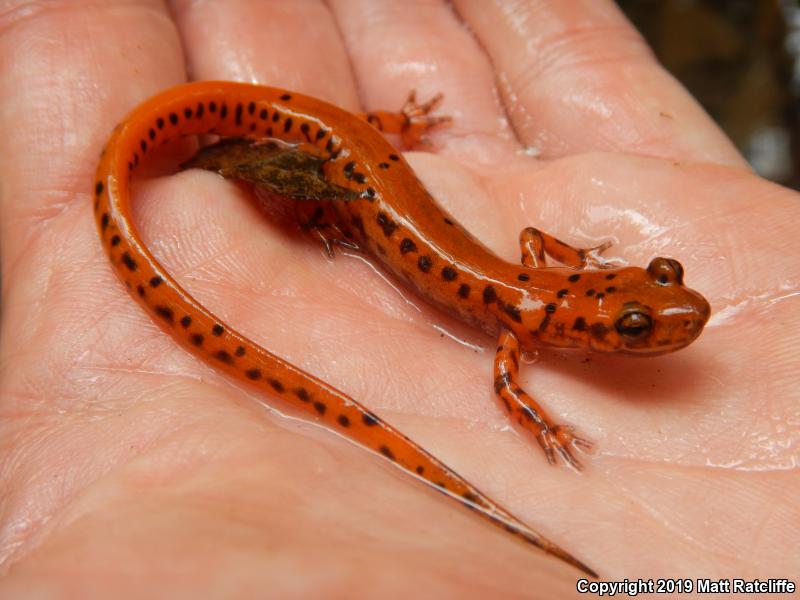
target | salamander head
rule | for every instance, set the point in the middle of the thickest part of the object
(631, 310)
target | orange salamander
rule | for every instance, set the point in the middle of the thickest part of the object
(387, 213)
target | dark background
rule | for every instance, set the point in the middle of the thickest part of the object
(741, 60)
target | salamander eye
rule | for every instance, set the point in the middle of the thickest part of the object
(634, 325)
(666, 270)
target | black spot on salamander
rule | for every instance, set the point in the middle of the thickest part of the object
(369, 419)
(449, 221)
(343, 420)
(590, 293)
(579, 324)
(201, 109)
(449, 274)
(463, 290)
(550, 308)
(129, 262)
(263, 114)
(611, 276)
(320, 407)
(348, 169)
(530, 414)
(600, 295)
(489, 294)
(156, 281)
(239, 113)
(187, 112)
(424, 263)
(513, 312)
(394, 157)
(329, 144)
(302, 393)
(386, 451)
(386, 224)
(165, 312)
(359, 178)
(574, 277)
(286, 97)
(173, 118)
(562, 293)
(276, 116)
(143, 146)
(420, 470)
(276, 385)
(610, 289)
(217, 330)
(196, 339)
(115, 240)
(223, 111)
(212, 106)
(407, 245)
(254, 374)
(251, 108)
(140, 291)
(470, 497)
(160, 123)
(151, 134)
(240, 351)
(304, 129)
(502, 381)
(287, 125)
(186, 321)
(223, 356)
(524, 277)
(370, 193)
(545, 322)
(104, 221)
(598, 330)
(321, 133)
(383, 165)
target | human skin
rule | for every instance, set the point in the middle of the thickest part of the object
(130, 468)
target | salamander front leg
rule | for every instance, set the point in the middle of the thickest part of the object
(554, 439)
(535, 244)
(412, 122)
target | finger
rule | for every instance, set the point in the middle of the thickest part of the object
(63, 91)
(399, 46)
(580, 78)
(293, 45)
(61, 100)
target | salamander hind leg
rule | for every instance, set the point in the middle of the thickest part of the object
(554, 439)
(322, 225)
(412, 122)
(534, 244)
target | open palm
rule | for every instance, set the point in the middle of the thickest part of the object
(129, 466)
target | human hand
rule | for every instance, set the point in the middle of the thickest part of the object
(129, 466)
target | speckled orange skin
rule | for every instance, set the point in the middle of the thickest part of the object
(395, 220)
